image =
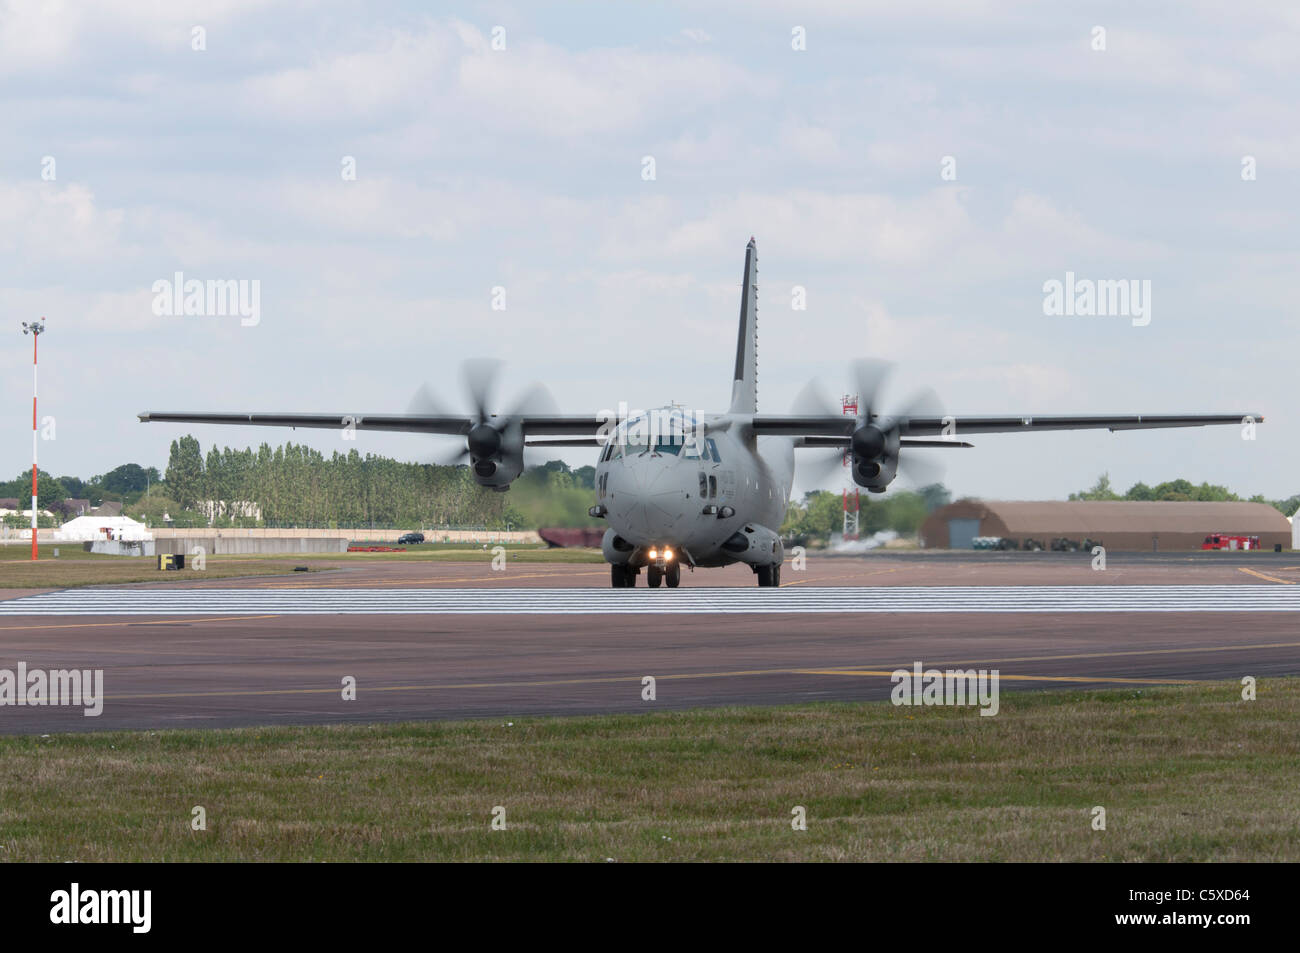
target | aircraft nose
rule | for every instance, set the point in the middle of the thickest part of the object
(650, 498)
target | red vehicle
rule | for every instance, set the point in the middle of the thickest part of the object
(1224, 541)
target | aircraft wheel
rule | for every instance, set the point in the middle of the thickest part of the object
(620, 577)
(652, 576)
(765, 575)
(674, 575)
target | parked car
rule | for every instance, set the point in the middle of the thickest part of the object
(410, 538)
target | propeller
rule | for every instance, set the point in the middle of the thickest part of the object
(479, 380)
(869, 441)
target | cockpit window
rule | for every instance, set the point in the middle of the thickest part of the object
(667, 430)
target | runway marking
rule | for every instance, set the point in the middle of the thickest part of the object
(1083, 655)
(611, 679)
(1285, 582)
(688, 601)
(1002, 676)
(93, 625)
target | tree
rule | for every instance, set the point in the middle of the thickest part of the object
(1289, 506)
(820, 513)
(152, 508)
(935, 496)
(185, 471)
(51, 490)
(1101, 490)
(128, 478)
(1140, 491)
(74, 486)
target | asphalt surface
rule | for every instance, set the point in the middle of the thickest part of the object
(265, 667)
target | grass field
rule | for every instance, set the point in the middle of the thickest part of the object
(460, 552)
(1185, 774)
(75, 567)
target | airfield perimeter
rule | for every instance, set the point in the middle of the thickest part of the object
(459, 640)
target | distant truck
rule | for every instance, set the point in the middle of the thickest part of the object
(1064, 545)
(993, 542)
(1227, 541)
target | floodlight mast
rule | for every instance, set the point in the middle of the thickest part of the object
(35, 329)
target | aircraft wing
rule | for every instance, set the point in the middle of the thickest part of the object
(554, 424)
(841, 426)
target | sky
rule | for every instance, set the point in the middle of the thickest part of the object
(921, 171)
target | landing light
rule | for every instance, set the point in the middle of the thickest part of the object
(654, 554)
(668, 554)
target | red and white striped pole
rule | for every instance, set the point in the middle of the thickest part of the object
(34, 329)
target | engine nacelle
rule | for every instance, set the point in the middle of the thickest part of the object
(496, 456)
(615, 548)
(875, 454)
(756, 545)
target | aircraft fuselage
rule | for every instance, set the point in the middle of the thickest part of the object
(691, 493)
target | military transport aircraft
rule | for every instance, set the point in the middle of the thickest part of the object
(702, 489)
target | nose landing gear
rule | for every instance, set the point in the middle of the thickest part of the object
(671, 574)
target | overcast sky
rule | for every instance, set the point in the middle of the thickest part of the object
(523, 168)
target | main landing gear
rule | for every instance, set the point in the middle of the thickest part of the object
(768, 575)
(622, 577)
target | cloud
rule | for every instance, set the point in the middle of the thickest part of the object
(47, 36)
(44, 221)
(448, 73)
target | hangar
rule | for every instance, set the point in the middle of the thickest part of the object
(1120, 525)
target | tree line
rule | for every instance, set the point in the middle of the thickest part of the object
(295, 485)
(1180, 490)
(821, 512)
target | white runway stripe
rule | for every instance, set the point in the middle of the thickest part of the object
(795, 599)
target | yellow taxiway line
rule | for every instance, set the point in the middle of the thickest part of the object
(1285, 582)
(1019, 678)
(612, 679)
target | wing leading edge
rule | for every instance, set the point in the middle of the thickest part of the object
(955, 424)
(559, 425)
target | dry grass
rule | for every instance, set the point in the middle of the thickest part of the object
(75, 567)
(1185, 774)
(90, 569)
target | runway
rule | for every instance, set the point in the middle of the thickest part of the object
(692, 601)
(454, 641)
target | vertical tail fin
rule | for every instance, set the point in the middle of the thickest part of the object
(744, 385)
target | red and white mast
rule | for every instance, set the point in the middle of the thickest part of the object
(849, 404)
(35, 329)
